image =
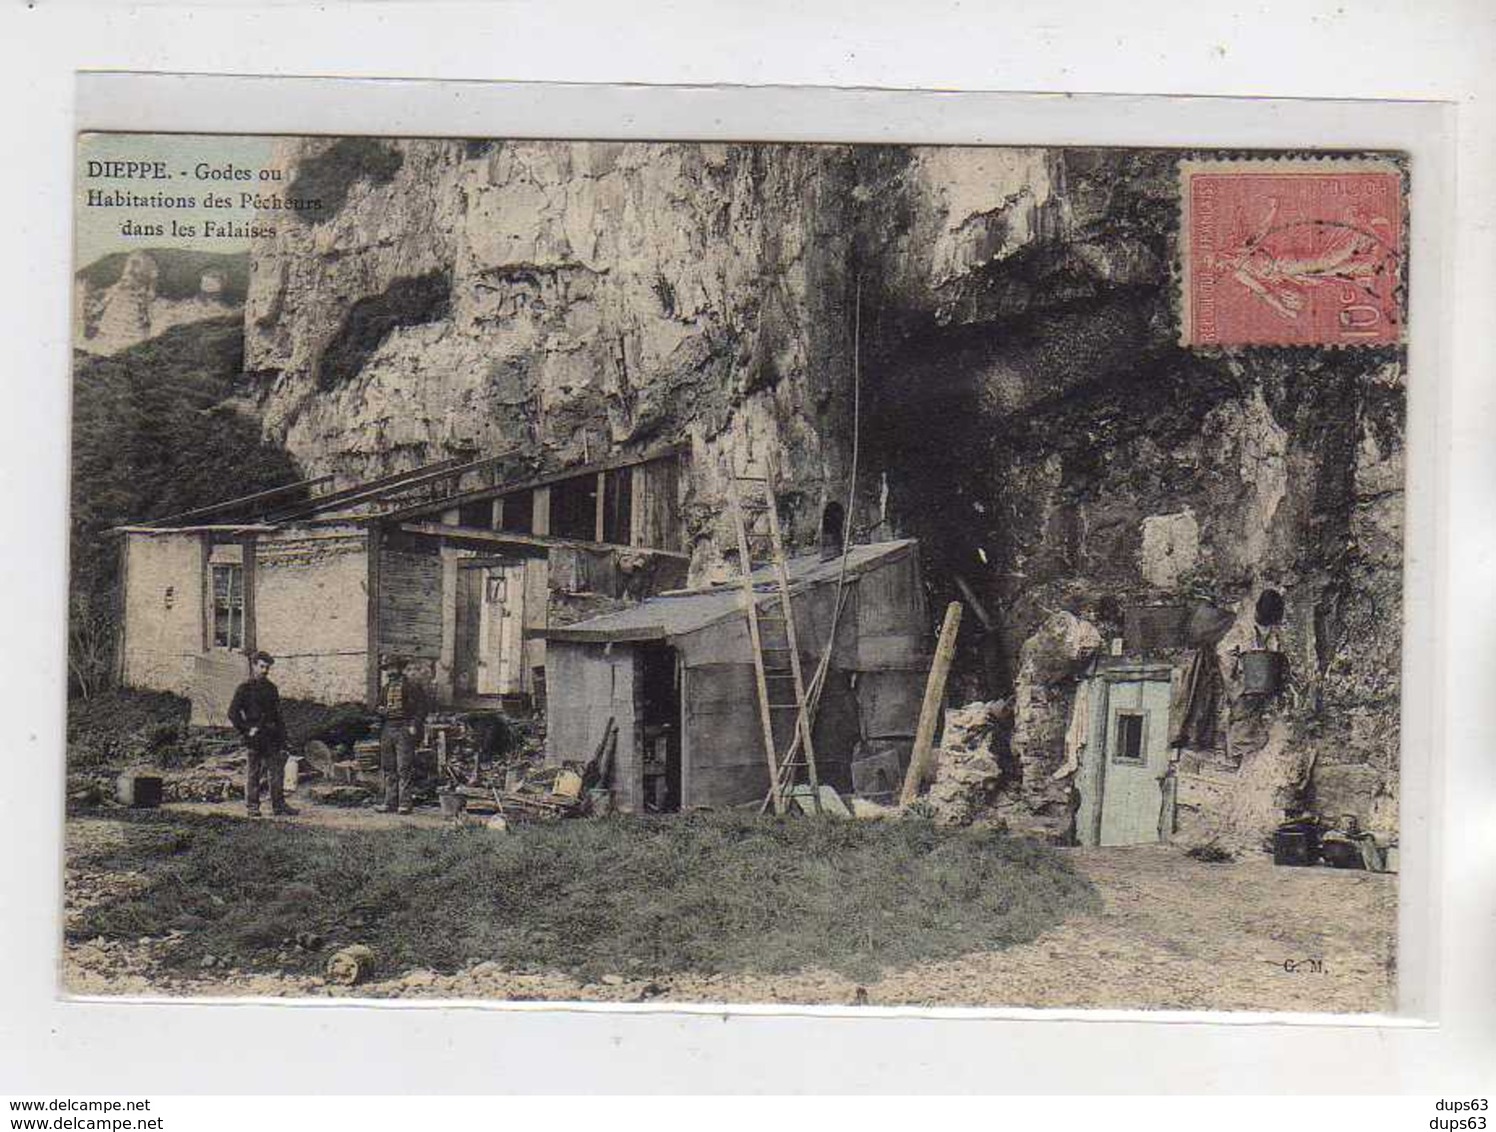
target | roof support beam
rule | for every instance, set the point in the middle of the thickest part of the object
(532, 542)
(401, 481)
(536, 482)
(230, 504)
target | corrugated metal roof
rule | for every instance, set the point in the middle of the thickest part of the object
(670, 615)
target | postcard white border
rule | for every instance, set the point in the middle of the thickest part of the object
(697, 1050)
(189, 103)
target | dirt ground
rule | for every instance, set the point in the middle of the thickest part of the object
(1173, 933)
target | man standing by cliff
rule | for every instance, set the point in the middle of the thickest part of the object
(402, 703)
(255, 712)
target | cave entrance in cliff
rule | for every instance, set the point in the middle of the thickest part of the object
(1125, 787)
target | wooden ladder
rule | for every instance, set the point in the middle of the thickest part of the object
(778, 680)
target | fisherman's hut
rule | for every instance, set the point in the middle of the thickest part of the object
(676, 675)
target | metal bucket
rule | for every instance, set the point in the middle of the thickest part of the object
(452, 803)
(1261, 672)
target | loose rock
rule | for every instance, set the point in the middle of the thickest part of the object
(351, 965)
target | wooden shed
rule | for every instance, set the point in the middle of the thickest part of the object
(449, 564)
(676, 674)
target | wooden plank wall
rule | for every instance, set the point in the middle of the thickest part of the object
(891, 627)
(726, 749)
(836, 730)
(585, 686)
(893, 656)
(410, 602)
(537, 617)
(658, 512)
(889, 701)
(874, 686)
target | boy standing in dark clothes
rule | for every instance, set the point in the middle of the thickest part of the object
(255, 712)
(402, 704)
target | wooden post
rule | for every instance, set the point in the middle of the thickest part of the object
(929, 711)
(247, 574)
(205, 584)
(121, 598)
(446, 665)
(374, 543)
(636, 505)
(540, 503)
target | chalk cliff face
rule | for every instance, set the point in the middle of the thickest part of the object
(1060, 452)
(561, 301)
(125, 299)
(1026, 410)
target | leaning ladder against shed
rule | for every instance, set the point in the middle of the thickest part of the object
(771, 680)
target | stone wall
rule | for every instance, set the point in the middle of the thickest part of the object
(163, 604)
(311, 612)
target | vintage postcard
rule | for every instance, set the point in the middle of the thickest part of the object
(736, 572)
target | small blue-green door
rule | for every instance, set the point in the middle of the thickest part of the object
(1136, 761)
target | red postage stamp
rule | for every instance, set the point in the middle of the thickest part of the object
(1291, 252)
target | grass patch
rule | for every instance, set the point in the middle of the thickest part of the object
(122, 725)
(705, 893)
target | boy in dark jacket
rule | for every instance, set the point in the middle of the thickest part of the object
(255, 712)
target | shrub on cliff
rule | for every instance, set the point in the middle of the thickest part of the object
(152, 437)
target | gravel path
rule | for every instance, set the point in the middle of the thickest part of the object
(1173, 933)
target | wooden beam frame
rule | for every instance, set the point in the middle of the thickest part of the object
(536, 483)
(636, 505)
(401, 481)
(446, 665)
(205, 530)
(228, 504)
(531, 542)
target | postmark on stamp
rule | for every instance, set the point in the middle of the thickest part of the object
(1291, 252)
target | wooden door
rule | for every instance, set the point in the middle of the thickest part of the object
(1136, 758)
(465, 635)
(501, 631)
(489, 637)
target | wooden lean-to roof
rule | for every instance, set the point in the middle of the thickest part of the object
(680, 612)
(361, 503)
